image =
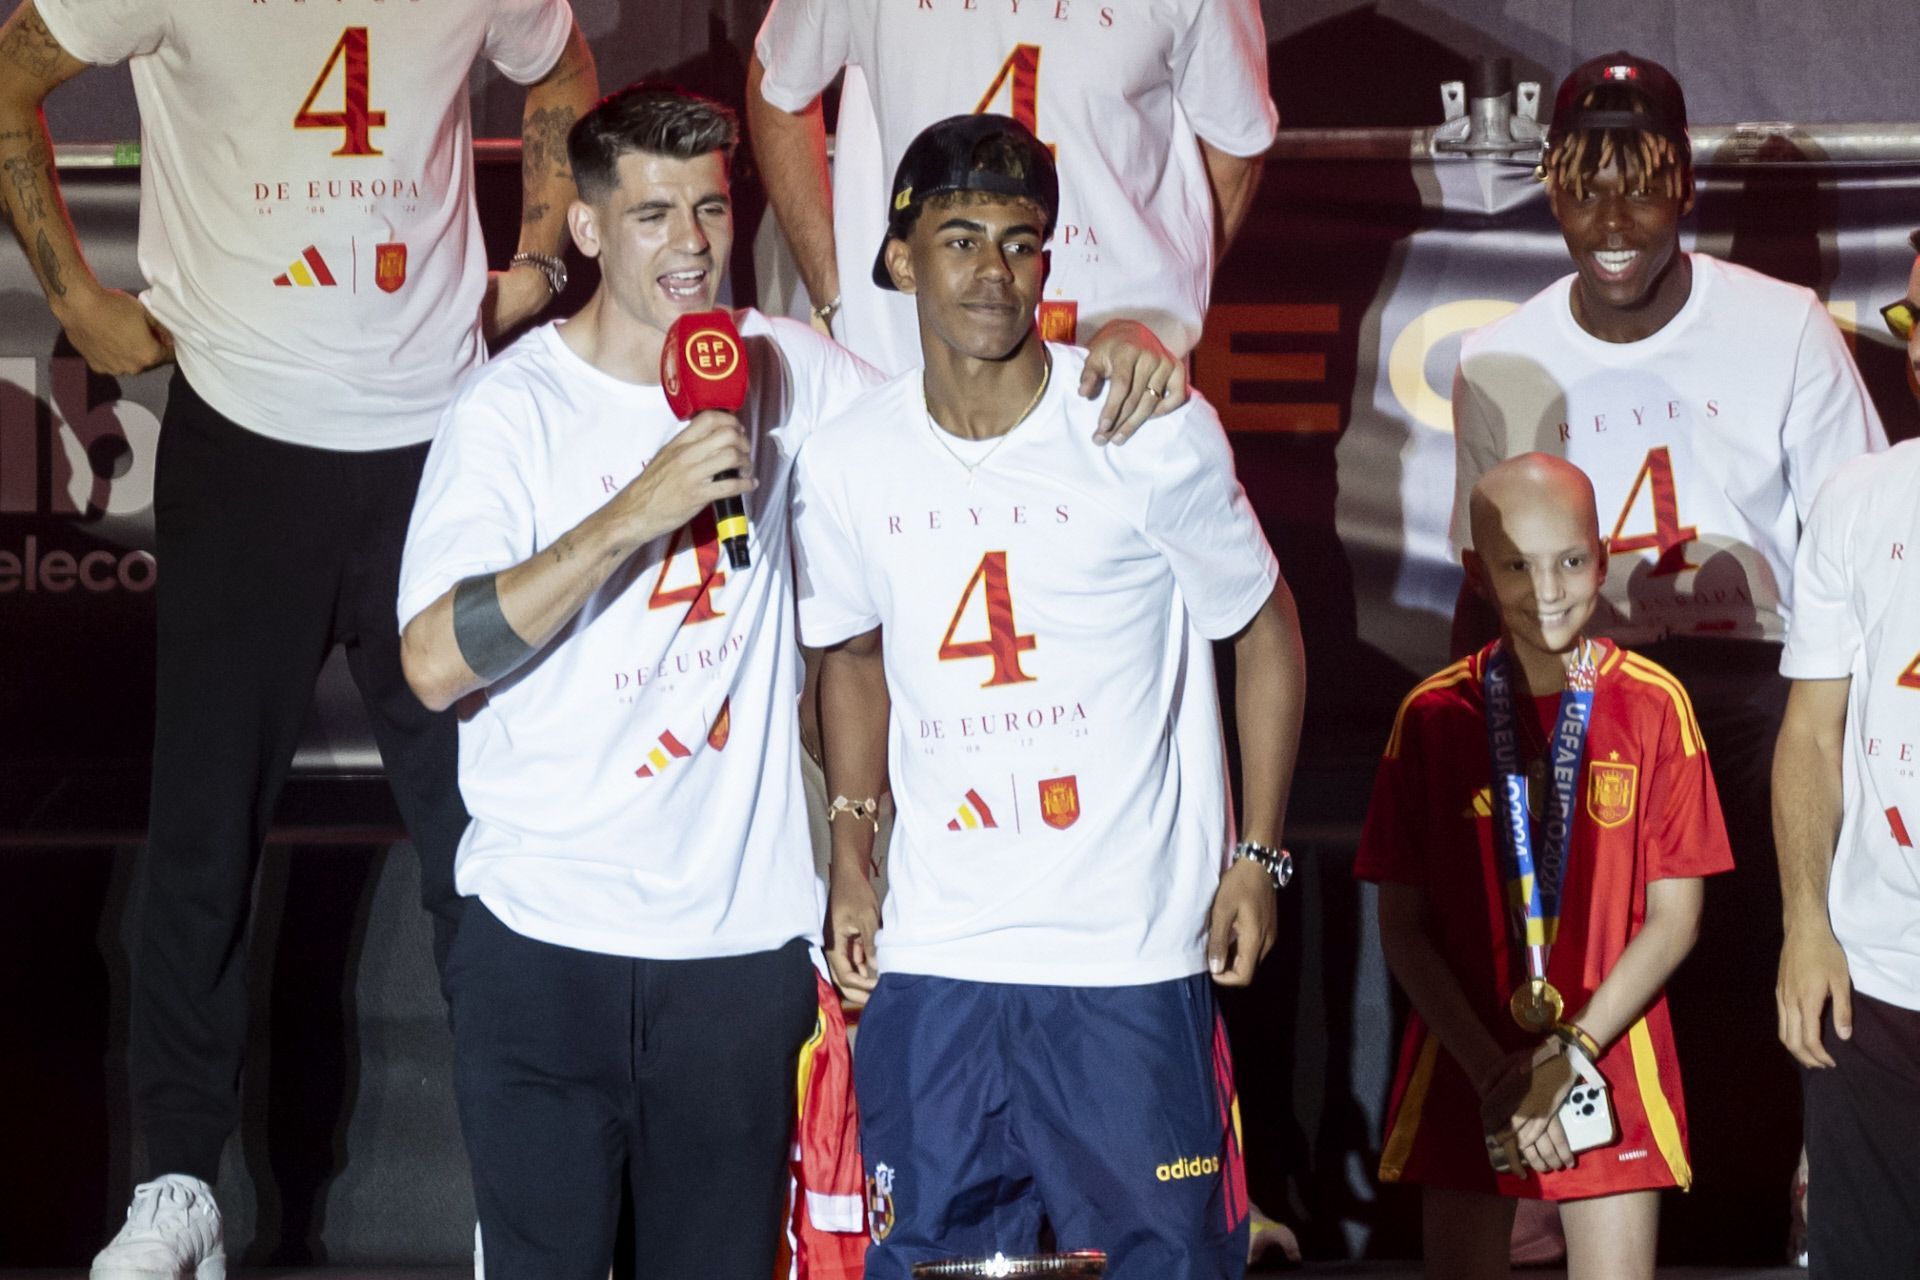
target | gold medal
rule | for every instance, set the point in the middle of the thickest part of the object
(1536, 1006)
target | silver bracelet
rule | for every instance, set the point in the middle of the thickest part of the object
(552, 268)
(1277, 863)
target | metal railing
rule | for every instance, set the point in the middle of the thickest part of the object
(1749, 143)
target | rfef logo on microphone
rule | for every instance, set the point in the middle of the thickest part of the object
(711, 354)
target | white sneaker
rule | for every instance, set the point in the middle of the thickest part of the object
(479, 1256)
(172, 1233)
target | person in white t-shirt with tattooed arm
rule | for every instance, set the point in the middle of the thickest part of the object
(1159, 116)
(315, 270)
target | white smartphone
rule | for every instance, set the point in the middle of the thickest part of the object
(1587, 1114)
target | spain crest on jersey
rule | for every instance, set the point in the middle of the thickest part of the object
(880, 1203)
(1060, 801)
(390, 266)
(1059, 321)
(1611, 787)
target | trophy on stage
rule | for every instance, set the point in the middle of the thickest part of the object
(1081, 1262)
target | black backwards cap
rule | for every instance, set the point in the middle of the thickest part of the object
(1653, 84)
(941, 160)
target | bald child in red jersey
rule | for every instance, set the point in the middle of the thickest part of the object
(1540, 824)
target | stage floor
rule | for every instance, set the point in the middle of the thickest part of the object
(1368, 1270)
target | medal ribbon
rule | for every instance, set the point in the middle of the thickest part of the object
(1534, 885)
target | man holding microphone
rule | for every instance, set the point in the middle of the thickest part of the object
(631, 984)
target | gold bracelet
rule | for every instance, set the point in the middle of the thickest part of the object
(867, 810)
(1574, 1034)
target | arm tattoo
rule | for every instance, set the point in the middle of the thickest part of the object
(49, 266)
(487, 640)
(32, 46)
(543, 142)
(23, 176)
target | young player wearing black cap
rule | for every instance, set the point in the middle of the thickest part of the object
(1063, 876)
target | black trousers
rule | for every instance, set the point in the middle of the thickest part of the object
(1863, 1133)
(1722, 996)
(269, 555)
(584, 1078)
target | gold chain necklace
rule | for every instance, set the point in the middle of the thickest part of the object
(940, 433)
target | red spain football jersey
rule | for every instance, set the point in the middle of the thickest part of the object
(1645, 809)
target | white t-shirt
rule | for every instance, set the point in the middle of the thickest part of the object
(1857, 613)
(1055, 745)
(635, 787)
(1705, 442)
(318, 298)
(1121, 89)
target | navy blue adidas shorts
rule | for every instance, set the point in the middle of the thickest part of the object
(1110, 1111)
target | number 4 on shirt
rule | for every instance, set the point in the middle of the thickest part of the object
(1019, 75)
(703, 534)
(356, 119)
(1004, 644)
(1669, 537)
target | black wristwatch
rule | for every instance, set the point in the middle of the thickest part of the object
(1277, 863)
(552, 268)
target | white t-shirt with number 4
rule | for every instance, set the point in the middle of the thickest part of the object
(1120, 89)
(635, 787)
(1705, 442)
(1857, 614)
(307, 225)
(1055, 745)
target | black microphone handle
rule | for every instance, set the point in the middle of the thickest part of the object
(730, 519)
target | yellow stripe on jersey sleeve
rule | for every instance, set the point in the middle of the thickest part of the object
(1654, 674)
(1653, 1100)
(1406, 1125)
(803, 1070)
(1443, 679)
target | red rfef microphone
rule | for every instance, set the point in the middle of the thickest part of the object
(704, 366)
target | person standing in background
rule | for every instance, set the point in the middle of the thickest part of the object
(1707, 403)
(1846, 809)
(316, 271)
(1159, 118)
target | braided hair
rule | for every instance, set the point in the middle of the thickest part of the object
(1647, 160)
